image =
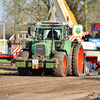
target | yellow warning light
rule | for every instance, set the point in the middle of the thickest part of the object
(62, 41)
(37, 17)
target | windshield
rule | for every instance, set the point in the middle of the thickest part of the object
(46, 33)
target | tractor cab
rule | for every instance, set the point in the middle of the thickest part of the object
(49, 37)
(51, 30)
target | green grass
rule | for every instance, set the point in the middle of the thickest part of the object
(3, 71)
(4, 61)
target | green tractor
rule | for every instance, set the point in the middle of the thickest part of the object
(51, 51)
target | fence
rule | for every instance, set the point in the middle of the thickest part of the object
(15, 49)
(12, 48)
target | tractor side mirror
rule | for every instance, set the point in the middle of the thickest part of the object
(70, 31)
(29, 30)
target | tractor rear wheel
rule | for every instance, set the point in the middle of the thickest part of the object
(78, 60)
(69, 61)
(61, 70)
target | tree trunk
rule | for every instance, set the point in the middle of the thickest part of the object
(85, 15)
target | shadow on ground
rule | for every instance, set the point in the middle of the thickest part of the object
(92, 78)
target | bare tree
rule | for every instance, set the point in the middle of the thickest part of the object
(82, 10)
(19, 10)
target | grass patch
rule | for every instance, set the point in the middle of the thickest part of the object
(3, 71)
(4, 61)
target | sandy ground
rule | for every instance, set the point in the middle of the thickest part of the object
(16, 87)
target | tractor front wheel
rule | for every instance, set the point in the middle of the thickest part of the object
(25, 70)
(61, 70)
(24, 55)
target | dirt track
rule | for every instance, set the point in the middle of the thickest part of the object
(47, 87)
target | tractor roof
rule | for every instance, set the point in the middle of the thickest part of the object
(50, 24)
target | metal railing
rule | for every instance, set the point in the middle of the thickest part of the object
(6, 48)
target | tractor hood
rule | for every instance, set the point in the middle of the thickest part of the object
(42, 48)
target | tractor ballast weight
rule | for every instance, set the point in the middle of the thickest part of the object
(60, 55)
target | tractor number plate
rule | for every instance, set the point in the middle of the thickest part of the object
(34, 62)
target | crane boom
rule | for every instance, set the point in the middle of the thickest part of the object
(66, 15)
(52, 11)
(63, 12)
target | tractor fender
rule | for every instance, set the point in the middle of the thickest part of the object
(62, 50)
(74, 42)
(26, 49)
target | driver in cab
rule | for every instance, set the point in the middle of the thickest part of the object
(55, 35)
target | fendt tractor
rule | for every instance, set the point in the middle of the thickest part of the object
(56, 49)
(51, 51)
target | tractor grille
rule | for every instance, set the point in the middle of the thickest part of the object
(40, 49)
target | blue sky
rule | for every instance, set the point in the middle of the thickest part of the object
(1, 12)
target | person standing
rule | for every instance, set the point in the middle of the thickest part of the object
(87, 36)
(9, 46)
(97, 35)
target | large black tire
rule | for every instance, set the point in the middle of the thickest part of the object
(61, 70)
(69, 61)
(24, 55)
(24, 72)
(78, 60)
